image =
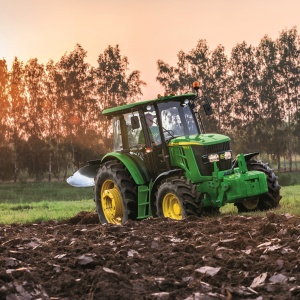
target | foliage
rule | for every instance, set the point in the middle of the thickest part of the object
(51, 115)
(289, 178)
(6, 162)
(114, 86)
(3, 100)
(254, 93)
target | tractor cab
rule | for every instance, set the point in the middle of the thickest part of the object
(147, 129)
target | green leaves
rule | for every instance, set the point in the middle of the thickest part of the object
(58, 104)
(254, 92)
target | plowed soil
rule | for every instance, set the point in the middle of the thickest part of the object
(223, 257)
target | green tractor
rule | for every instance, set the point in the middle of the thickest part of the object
(165, 165)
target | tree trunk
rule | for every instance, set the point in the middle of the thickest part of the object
(73, 157)
(15, 158)
(50, 167)
(66, 172)
(15, 165)
(291, 160)
(57, 160)
(278, 163)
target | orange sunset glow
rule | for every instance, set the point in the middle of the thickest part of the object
(145, 30)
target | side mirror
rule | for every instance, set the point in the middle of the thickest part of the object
(135, 122)
(208, 109)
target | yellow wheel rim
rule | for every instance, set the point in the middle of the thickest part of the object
(171, 207)
(111, 201)
(251, 203)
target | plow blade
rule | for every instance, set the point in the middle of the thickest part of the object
(84, 177)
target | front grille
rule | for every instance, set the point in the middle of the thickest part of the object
(208, 168)
(217, 148)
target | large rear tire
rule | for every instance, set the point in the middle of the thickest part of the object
(268, 200)
(115, 194)
(177, 198)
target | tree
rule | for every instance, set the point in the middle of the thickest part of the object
(36, 126)
(75, 84)
(34, 75)
(4, 104)
(51, 117)
(245, 104)
(194, 66)
(289, 70)
(115, 86)
(175, 79)
(6, 163)
(17, 110)
(270, 131)
(219, 89)
(199, 59)
(35, 154)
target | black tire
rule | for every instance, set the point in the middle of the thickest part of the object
(247, 205)
(269, 200)
(115, 194)
(177, 198)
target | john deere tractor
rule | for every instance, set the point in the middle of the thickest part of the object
(165, 165)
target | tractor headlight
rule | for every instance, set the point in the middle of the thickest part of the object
(225, 155)
(210, 158)
(213, 157)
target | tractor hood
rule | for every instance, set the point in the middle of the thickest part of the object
(199, 139)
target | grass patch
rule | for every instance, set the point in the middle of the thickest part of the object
(43, 211)
(34, 202)
(290, 203)
(289, 178)
(42, 191)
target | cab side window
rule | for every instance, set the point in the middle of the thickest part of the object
(133, 133)
(117, 140)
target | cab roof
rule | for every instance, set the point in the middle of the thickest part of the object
(114, 111)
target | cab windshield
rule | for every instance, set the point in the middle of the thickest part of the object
(177, 119)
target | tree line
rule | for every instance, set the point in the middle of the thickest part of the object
(255, 93)
(51, 121)
(51, 117)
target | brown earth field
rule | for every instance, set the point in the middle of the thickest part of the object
(212, 257)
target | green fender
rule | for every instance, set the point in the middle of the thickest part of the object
(133, 164)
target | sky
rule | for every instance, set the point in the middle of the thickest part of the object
(145, 30)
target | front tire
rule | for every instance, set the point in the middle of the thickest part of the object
(115, 194)
(247, 205)
(269, 200)
(177, 198)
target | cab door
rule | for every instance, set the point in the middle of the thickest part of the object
(154, 153)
